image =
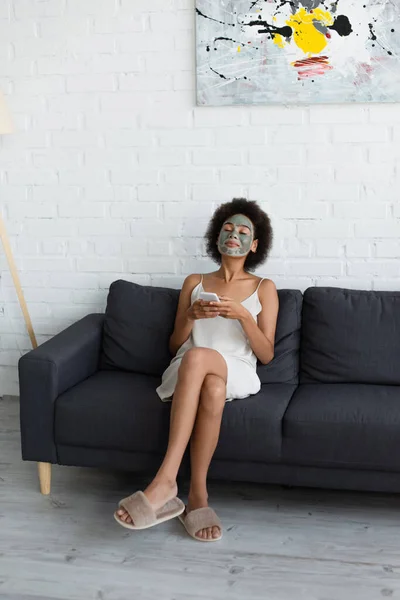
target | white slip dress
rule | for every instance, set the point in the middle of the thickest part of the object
(227, 337)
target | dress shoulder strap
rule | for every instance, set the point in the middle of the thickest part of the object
(201, 280)
(258, 287)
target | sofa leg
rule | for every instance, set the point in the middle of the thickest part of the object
(44, 477)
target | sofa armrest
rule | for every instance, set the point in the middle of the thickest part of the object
(46, 372)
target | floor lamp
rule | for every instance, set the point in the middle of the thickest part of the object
(6, 126)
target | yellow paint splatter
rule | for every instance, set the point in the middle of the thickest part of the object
(305, 35)
(279, 41)
(239, 48)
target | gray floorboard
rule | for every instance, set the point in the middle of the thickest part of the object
(279, 544)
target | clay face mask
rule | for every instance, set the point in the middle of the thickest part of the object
(236, 237)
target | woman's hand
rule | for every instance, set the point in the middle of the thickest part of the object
(201, 309)
(230, 309)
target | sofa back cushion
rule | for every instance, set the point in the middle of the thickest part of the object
(285, 366)
(350, 336)
(138, 323)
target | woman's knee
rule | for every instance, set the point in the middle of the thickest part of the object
(213, 394)
(195, 358)
(201, 362)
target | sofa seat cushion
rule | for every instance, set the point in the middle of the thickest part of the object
(121, 411)
(352, 426)
(113, 410)
(251, 428)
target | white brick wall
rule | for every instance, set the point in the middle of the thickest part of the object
(113, 171)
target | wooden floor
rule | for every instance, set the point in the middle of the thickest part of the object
(278, 544)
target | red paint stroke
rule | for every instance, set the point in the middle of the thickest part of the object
(312, 60)
(364, 72)
(310, 67)
(328, 35)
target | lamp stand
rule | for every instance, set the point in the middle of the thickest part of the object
(43, 468)
(17, 283)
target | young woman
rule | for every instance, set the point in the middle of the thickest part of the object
(216, 347)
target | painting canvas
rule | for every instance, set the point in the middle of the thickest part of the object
(297, 51)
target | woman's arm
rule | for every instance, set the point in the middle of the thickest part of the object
(262, 335)
(188, 313)
(183, 324)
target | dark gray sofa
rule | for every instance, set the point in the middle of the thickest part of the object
(327, 415)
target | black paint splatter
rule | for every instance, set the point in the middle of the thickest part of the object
(283, 2)
(219, 74)
(224, 76)
(228, 40)
(372, 32)
(342, 25)
(211, 18)
(375, 39)
(285, 31)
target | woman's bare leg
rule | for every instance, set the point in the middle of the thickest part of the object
(196, 364)
(203, 443)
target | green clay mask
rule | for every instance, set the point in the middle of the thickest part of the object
(236, 237)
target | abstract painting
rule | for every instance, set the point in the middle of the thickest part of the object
(297, 51)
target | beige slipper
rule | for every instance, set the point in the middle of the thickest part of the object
(142, 513)
(201, 518)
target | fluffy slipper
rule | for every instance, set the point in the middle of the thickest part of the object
(142, 513)
(201, 518)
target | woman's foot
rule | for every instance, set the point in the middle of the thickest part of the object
(158, 493)
(201, 501)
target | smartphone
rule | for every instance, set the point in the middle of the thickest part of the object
(209, 297)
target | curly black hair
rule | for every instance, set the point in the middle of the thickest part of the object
(262, 230)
